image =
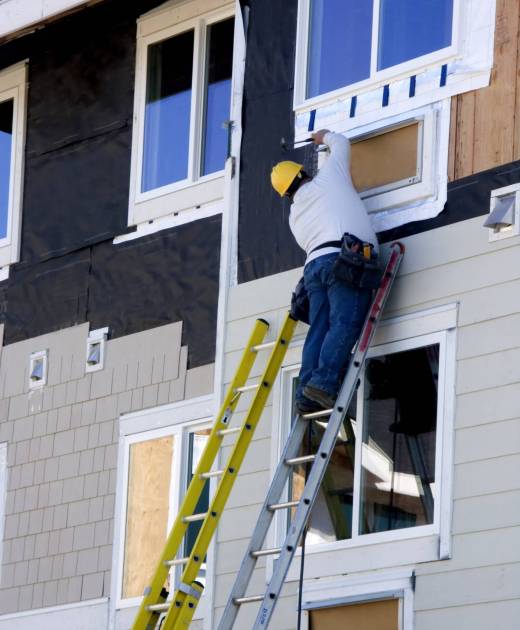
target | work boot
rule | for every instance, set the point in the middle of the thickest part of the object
(305, 405)
(319, 396)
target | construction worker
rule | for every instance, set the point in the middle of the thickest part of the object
(323, 209)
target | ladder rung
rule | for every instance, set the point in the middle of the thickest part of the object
(247, 388)
(266, 552)
(248, 600)
(158, 607)
(195, 517)
(229, 431)
(176, 562)
(317, 414)
(211, 473)
(283, 506)
(304, 459)
(263, 346)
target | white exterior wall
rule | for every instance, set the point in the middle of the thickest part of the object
(480, 584)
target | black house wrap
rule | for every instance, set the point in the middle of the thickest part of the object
(76, 188)
(265, 243)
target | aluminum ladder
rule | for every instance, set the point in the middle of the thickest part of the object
(289, 460)
(179, 610)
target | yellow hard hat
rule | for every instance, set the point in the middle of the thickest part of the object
(283, 174)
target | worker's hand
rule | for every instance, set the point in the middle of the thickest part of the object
(317, 136)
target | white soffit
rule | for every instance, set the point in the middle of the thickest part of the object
(18, 15)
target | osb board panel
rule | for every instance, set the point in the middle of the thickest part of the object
(485, 129)
(385, 158)
(147, 513)
(383, 615)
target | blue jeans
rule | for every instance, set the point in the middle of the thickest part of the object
(337, 314)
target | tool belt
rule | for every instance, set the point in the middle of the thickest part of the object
(357, 265)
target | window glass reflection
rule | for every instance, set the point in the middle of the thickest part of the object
(196, 444)
(412, 28)
(6, 138)
(217, 95)
(331, 516)
(340, 44)
(167, 111)
(399, 434)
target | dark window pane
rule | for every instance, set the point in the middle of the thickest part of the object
(412, 28)
(217, 95)
(331, 516)
(197, 443)
(340, 44)
(6, 139)
(167, 114)
(398, 460)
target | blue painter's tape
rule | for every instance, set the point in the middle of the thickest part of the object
(312, 118)
(353, 105)
(386, 95)
(444, 75)
(411, 93)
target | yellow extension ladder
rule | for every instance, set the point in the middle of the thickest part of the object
(179, 610)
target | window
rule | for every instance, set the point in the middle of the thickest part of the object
(158, 467)
(399, 165)
(381, 475)
(343, 44)
(13, 84)
(375, 601)
(389, 477)
(182, 110)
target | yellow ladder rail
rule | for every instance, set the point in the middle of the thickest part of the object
(188, 594)
(155, 595)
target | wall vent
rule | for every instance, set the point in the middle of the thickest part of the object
(96, 343)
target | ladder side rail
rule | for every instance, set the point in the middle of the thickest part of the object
(148, 618)
(265, 517)
(327, 444)
(182, 609)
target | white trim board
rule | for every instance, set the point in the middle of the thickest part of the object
(84, 615)
(16, 15)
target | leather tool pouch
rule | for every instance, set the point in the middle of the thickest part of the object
(300, 303)
(353, 268)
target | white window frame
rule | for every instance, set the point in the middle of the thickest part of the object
(13, 86)
(427, 542)
(396, 204)
(193, 196)
(319, 594)
(176, 419)
(377, 77)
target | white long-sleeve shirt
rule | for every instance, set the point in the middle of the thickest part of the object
(329, 205)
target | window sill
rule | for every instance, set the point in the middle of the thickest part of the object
(177, 199)
(353, 557)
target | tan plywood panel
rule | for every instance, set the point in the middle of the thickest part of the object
(149, 478)
(382, 615)
(386, 158)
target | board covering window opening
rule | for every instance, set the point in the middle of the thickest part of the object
(360, 41)
(383, 471)
(158, 472)
(374, 167)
